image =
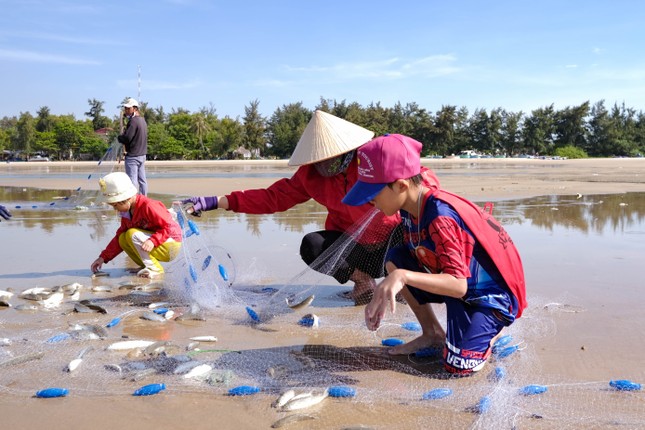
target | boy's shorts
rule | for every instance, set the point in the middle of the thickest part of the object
(469, 328)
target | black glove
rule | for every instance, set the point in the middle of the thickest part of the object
(4, 213)
(199, 204)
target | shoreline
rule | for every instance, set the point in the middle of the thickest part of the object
(493, 178)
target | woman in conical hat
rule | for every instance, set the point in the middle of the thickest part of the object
(326, 156)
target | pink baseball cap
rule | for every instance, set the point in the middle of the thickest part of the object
(381, 161)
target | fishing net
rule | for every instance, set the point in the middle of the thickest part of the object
(211, 327)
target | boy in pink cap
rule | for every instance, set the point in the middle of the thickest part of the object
(453, 253)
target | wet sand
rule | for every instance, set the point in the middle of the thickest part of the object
(475, 179)
(577, 344)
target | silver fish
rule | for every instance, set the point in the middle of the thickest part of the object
(6, 294)
(113, 368)
(186, 367)
(94, 307)
(99, 274)
(156, 305)
(124, 345)
(283, 399)
(204, 338)
(101, 289)
(82, 309)
(198, 371)
(303, 304)
(54, 299)
(277, 372)
(22, 359)
(143, 374)
(25, 307)
(307, 401)
(151, 316)
(156, 348)
(78, 360)
(72, 288)
(99, 331)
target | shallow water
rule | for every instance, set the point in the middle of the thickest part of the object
(581, 257)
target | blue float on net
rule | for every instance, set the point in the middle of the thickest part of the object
(341, 391)
(392, 341)
(149, 390)
(530, 390)
(223, 273)
(507, 351)
(49, 393)
(243, 390)
(193, 274)
(254, 316)
(484, 405)
(180, 220)
(498, 374)
(58, 338)
(624, 385)
(207, 262)
(502, 342)
(114, 322)
(411, 326)
(193, 227)
(437, 393)
(160, 311)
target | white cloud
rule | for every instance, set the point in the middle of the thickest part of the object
(58, 38)
(39, 57)
(385, 69)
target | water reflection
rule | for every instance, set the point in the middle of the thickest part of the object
(45, 209)
(587, 214)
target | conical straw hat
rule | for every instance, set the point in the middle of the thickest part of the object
(327, 136)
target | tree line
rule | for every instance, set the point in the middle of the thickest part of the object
(576, 131)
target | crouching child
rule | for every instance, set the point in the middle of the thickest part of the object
(148, 232)
(453, 253)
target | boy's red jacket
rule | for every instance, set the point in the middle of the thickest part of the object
(490, 234)
(329, 191)
(151, 215)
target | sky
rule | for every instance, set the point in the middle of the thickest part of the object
(516, 55)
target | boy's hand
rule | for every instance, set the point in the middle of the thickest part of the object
(384, 297)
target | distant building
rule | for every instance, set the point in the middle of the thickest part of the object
(245, 154)
(104, 132)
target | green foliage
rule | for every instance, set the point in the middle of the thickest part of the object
(594, 130)
(285, 128)
(570, 152)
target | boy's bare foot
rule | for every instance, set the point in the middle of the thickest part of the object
(421, 342)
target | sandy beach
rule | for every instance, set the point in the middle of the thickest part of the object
(579, 227)
(476, 179)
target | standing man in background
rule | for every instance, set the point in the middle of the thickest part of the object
(135, 145)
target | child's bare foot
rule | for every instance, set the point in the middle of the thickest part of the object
(421, 342)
